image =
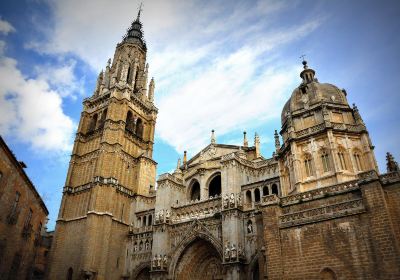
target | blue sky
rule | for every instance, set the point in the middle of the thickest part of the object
(223, 65)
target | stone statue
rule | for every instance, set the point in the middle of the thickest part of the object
(226, 201)
(239, 200)
(159, 261)
(233, 252)
(146, 245)
(161, 216)
(167, 215)
(232, 200)
(165, 260)
(155, 261)
(135, 247)
(249, 227)
(240, 250)
(157, 220)
(227, 251)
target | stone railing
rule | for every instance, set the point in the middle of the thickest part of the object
(313, 215)
(137, 230)
(310, 130)
(98, 180)
(270, 199)
(245, 162)
(167, 176)
(348, 127)
(390, 177)
(319, 193)
(367, 176)
(198, 210)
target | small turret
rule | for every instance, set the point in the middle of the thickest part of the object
(277, 142)
(245, 142)
(307, 74)
(213, 139)
(257, 145)
(151, 90)
(391, 164)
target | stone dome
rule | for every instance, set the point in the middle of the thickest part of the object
(310, 92)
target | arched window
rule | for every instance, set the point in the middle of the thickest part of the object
(93, 123)
(195, 190)
(144, 221)
(257, 195)
(327, 274)
(150, 220)
(357, 161)
(214, 187)
(130, 123)
(139, 127)
(137, 79)
(129, 75)
(248, 197)
(70, 273)
(325, 161)
(342, 160)
(265, 191)
(308, 165)
(103, 118)
(274, 189)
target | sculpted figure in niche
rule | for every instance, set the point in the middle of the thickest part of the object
(167, 215)
(135, 247)
(155, 261)
(157, 218)
(165, 260)
(226, 201)
(240, 250)
(161, 216)
(233, 252)
(232, 200)
(159, 261)
(147, 245)
(227, 252)
(249, 227)
(239, 200)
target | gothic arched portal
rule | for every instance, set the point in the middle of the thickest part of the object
(199, 261)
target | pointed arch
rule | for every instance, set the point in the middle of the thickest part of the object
(141, 272)
(93, 123)
(139, 128)
(130, 122)
(194, 190)
(214, 184)
(137, 79)
(327, 274)
(70, 273)
(308, 165)
(192, 237)
(257, 195)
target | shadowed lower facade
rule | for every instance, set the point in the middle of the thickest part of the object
(317, 209)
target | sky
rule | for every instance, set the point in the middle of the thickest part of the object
(223, 65)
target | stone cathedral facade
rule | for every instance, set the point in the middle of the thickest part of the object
(317, 209)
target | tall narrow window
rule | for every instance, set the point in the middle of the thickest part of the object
(357, 161)
(308, 166)
(325, 161)
(139, 128)
(130, 123)
(28, 218)
(93, 123)
(275, 189)
(13, 216)
(129, 76)
(137, 79)
(257, 195)
(342, 161)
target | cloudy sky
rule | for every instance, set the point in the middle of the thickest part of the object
(223, 65)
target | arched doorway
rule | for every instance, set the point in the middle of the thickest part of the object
(199, 261)
(194, 190)
(144, 274)
(214, 187)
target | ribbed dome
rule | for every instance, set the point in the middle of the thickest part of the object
(311, 92)
(134, 34)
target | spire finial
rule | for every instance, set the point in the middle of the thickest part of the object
(213, 140)
(245, 142)
(139, 12)
(277, 142)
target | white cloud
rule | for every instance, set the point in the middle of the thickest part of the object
(32, 111)
(212, 62)
(61, 77)
(6, 27)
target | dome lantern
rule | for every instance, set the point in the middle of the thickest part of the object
(307, 74)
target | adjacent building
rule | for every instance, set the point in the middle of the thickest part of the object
(317, 209)
(23, 216)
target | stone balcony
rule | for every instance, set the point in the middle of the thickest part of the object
(198, 209)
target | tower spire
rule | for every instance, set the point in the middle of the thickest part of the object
(139, 11)
(134, 34)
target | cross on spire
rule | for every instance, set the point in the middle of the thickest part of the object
(140, 10)
(302, 56)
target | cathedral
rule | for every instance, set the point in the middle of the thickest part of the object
(317, 209)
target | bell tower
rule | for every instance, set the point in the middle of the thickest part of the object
(111, 163)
